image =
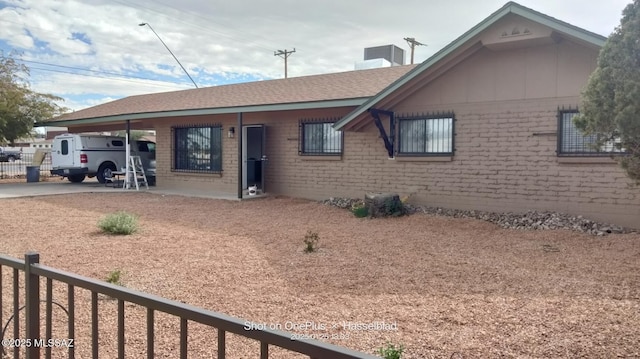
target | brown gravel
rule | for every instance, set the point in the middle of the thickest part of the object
(451, 285)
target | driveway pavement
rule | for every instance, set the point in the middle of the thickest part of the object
(10, 190)
(53, 187)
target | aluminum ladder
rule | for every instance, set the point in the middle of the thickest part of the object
(136, 174)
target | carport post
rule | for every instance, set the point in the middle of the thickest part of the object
(127, 181)
(240, 155)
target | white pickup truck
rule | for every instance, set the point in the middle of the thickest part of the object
(77, 156)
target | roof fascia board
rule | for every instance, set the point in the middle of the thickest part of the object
(510, 7)
(208, 111)
(584, 35)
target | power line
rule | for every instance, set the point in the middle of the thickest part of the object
(88, 70)
(248, 39)
(285, 55)
(117, 46)
(413, 43)
(65, 34)
(103, 77)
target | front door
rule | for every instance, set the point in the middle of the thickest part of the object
(253, 156)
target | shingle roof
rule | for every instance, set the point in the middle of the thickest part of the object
(305, 89)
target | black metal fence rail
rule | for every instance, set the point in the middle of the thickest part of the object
(33, 272)
(18, 168)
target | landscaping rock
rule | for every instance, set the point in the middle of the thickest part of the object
(532, 220)
(345, 203)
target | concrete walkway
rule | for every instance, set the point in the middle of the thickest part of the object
(54, 187)
(12, 190)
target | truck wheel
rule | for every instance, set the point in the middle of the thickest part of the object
(105, 171)
(12, 159)
(76, 178)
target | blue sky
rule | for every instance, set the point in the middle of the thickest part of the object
(93, 51)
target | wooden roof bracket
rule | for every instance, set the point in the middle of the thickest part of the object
(388, 140)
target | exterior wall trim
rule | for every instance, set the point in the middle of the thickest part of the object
(320, 158)
(208, 111)
(587, 160)
(196, 174)
(424, 159)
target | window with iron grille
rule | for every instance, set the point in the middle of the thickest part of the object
(572, 142)
(197, 149)
(426, 135)
(319, 138)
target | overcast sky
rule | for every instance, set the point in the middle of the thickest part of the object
(92, 51)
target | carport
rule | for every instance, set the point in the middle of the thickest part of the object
(76, 123)
(81, 126)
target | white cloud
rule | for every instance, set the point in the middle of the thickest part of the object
(236, 39)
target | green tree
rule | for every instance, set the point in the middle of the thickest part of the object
(611, 101)
(21, 107)
(134, 135)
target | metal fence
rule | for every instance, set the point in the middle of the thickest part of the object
(572, 142)
(34, 273)
(18, 168)
(317, 137)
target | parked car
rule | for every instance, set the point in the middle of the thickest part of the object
(9, 156)
(77, 156)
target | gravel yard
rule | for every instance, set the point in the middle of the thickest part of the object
(451, 285)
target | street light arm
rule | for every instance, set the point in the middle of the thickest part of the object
(171, 52)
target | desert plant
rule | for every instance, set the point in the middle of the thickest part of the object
(114, 277)
(311, 241)
(391, 351)
(119, 223)
(360, 210)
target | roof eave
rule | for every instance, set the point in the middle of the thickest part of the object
(555, 24)
(208, 111)
(510, 7)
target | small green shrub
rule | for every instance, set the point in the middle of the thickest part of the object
(119, 223)
(115, 277)
(360, 211)
(391, 351)
(311, 241)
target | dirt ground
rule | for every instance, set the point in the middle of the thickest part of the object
(449, 285)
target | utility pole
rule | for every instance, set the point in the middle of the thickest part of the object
(284, 54)
(413, 43)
